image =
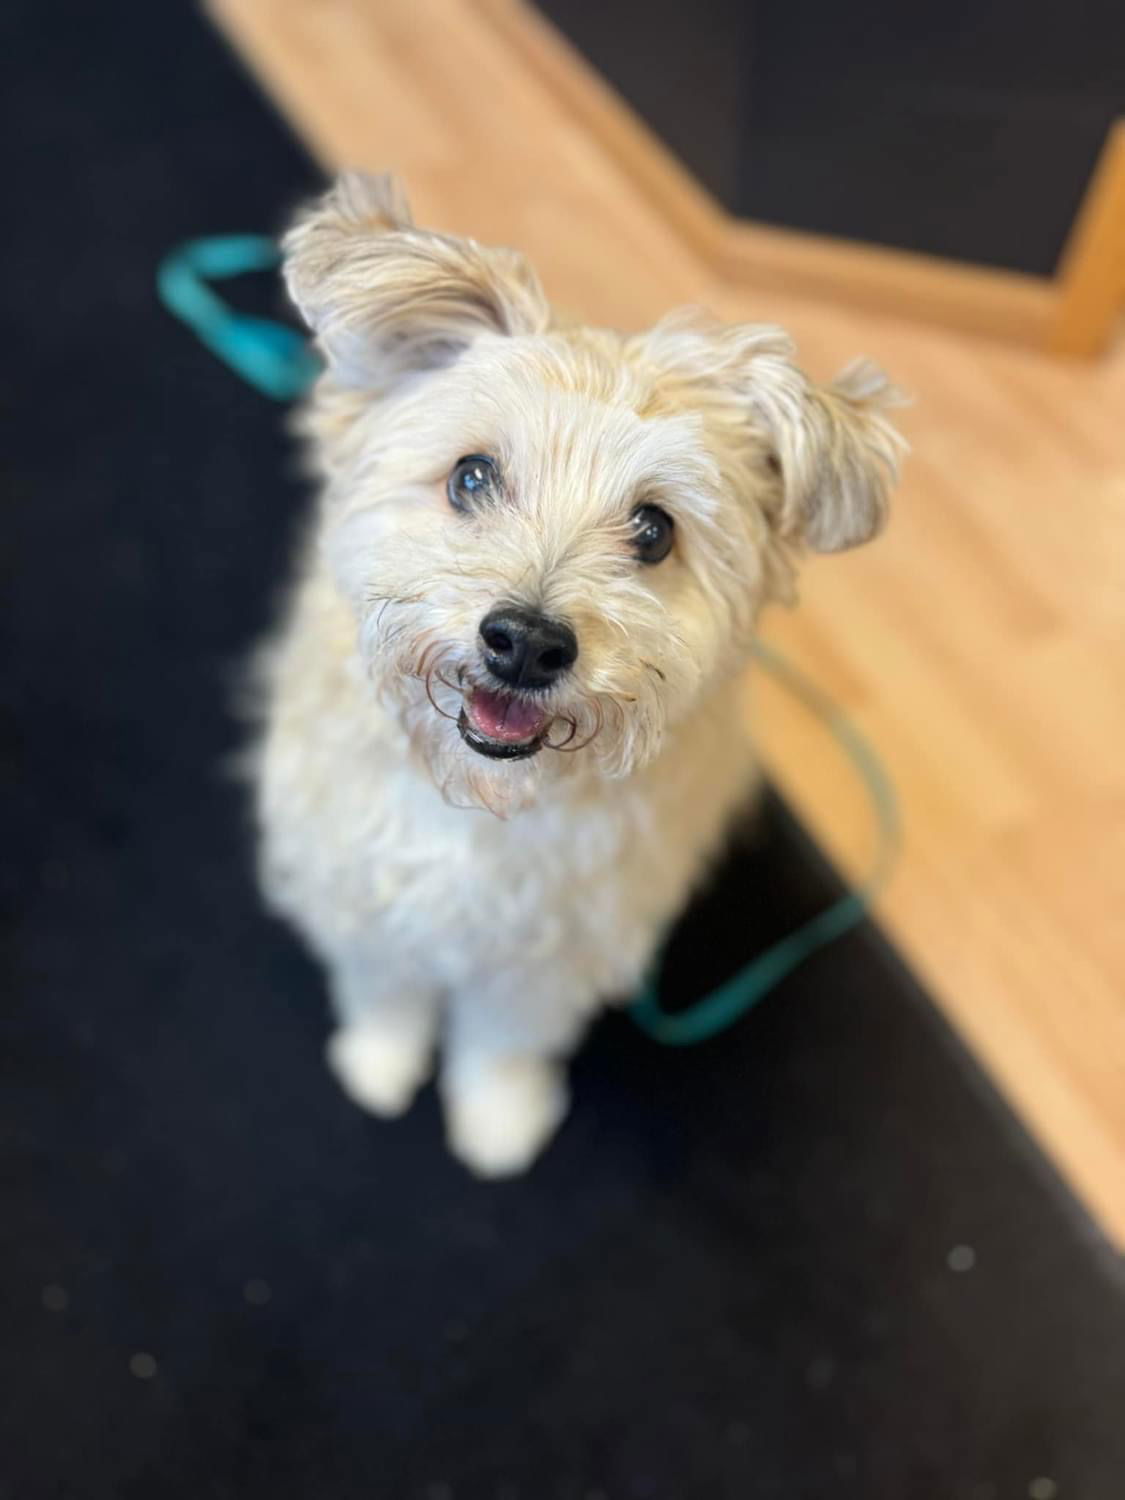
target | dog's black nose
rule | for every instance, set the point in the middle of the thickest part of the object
(526, 649)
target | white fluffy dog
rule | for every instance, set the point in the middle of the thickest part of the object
(503, 734)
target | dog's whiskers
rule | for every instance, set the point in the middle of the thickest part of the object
(428, 680)
(374, 598)
(567, 746)
(573, 730)
(386, 600)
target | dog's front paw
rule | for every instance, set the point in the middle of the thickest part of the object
(499, 1115)
(377, 1069)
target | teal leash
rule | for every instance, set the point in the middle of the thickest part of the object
(272, 357)
(277, 361)
(749, 987)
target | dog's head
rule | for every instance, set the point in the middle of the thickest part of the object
(556, 539)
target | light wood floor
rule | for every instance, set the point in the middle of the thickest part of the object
(979, 643)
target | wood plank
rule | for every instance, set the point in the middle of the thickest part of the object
(979, 643)
(978, 300)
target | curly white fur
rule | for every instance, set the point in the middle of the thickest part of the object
(499, 902)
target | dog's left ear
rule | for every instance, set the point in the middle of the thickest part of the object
(386, 299)
(835, 453)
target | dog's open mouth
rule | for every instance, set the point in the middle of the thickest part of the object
(502, 727)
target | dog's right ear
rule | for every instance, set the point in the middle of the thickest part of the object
(386, 299)
(832, 448)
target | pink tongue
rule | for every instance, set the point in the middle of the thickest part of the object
(499, 717)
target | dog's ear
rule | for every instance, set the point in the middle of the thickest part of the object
(386, 299)
(835, 453)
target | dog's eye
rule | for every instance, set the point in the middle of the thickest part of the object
(653, 533)
(473, 479)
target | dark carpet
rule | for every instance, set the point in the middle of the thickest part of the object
(733, 1275)
(961, 128)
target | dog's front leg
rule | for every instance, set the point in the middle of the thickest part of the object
(503, 1079)
(386, 1009)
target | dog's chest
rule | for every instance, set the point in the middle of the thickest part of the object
(547, 874)
(592, 880)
